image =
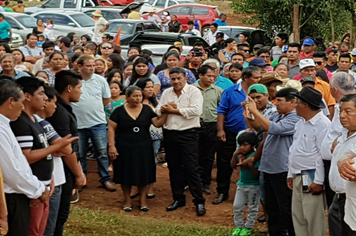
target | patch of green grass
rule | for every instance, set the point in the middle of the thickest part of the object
(83, 221)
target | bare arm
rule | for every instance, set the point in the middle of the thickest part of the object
(223, 58)
(199, 23)
(159, 121)
(254, 171)
(180, 28)
(32, 59)
(106, 101)
(220, 126)
(156, 89)
(111, 138)
(331, 111)
(10, 34)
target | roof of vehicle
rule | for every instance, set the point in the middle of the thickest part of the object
(236, 27)
(106, 9)
(59, 12)
(167, 34)
(129, 20)
(161, 49)
(193, 5)
(15, 14)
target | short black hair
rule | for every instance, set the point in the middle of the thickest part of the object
(238, 54)
(345, 55)
(349, 98)
(147, 52)
(215, 25)
(75, 57)
(222, 15)
(263, 50)
(198, 44)
(64, 78)
(50, 92)
(178, 70)
(174, 47)
(247, 137)
(320, 55)
(30, 84)
(236, 66)
(287, 93)
(48, 44)
(8, 89)
(295, 45)
(204, 69)
(245, 33)
(31, 34)
(241, 45)
(190, 22)
(248, 71)
(283, 36)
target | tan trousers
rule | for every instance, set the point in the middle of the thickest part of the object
(308, 211)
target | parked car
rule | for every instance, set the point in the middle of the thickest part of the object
(20, 23)
(68, 5)
(114, 2)
(146, 37)
(257, 36)
(16, 42)
(158, 51)
(66, 22)
(161, 4)
(108, 14)
(206, 14)
(129, 27)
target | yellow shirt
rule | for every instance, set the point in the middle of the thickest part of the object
(134, 15)
(18, 9)
(324, 88)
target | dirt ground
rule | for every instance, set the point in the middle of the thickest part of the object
(95, 197)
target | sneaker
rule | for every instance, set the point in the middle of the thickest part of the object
(245, 232)
(236, 232)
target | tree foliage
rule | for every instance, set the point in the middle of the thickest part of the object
(314, 15)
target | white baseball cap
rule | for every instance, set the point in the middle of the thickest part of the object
(306, 63)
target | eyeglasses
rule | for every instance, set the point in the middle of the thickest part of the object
(106, 47)
(319, 63)
(246, 50)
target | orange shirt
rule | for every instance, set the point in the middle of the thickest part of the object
(324, 88)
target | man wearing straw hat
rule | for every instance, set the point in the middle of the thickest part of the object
(101, 25)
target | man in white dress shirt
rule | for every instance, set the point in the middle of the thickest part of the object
(306, 168)
(184, 105)
(20, 184)
(341, 84)
(345, 147)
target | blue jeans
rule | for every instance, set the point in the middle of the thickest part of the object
(156, 144)
(54, 203)
(98, 136)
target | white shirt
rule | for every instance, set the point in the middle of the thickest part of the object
(27, 51)
(334, 131)
(90, 108)
(304, 154)
(190, 106)
(350, 205)
(156, 18)
(211, 38)
(194, 32)
(345, 144)
(18, 177)
(99, 25)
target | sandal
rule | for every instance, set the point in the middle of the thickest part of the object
(127, 209)
(150, 196)
(144, 208)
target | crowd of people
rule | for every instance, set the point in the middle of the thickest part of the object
(282, 117)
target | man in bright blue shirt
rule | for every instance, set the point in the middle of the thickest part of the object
(221, 20)
(231, 120)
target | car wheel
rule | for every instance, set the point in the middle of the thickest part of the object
(205, 30)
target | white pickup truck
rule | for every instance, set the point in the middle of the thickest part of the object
(70, 5)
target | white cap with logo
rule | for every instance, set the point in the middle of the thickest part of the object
(306, 63)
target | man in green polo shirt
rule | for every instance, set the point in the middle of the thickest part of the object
(208, 129)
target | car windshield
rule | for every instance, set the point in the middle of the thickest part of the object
(27, 21)
(126, 28)
(83, 20)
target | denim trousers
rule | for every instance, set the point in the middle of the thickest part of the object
(54, 203)
(246, 195)
(98, 136)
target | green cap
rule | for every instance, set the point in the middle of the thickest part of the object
(257, 88)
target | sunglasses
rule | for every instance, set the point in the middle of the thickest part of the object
(106, 47)
(246, 50)
(319, 63)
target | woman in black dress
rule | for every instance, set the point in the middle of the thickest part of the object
(130, 146)
(40, 28)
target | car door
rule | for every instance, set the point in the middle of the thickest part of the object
(182, 13)
(52, 5)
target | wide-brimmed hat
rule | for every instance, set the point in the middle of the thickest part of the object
(271, 76)
(291, 84)
(311, 96)
(97, 13)
(151, 10)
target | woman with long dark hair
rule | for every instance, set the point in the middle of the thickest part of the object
(56, 65)
(40, 28)
(141, 70)
(150, 99)
(73, 38)
(114, 61)
(115, 75)
(21, 65)
(226, 54)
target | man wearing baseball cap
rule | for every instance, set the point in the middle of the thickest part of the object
(261, 64)
(308, 49)
(308, 69)
(219, 45)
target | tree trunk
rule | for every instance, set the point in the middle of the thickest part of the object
(332, 22)
(296, 29)
(353, 24)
